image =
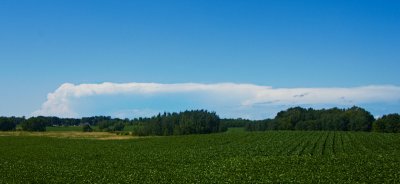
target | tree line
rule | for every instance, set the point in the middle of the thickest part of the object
(202, 121)
(39, 123)
(187, 122)
(334, 119)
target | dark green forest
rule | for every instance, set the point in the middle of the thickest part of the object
(334, 119)
(204, 122)
(188, 122)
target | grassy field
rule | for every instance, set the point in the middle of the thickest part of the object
(127, 128)
(69, 135)
(235, 157)
(65, 129)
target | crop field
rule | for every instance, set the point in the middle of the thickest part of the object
(234, 157)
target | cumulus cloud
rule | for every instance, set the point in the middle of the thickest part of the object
(229, 97)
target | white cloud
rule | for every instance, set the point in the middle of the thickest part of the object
(230, 98)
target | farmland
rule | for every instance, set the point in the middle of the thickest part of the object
(233, 156)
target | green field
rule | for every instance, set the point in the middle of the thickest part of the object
(235, 157)
(63, 128)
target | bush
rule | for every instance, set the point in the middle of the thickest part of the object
(34, 124)
(110, 126)
(87, 128)
(104, 125)
(119, 126)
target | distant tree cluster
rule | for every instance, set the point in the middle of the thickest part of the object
(187, 122)
(40, 123)
(7, 124)
(37, 124)
(202, 121)
(87, 128)
(232, 123)
(388, 123)
(260, 125)
(297, 118)
(111, 125)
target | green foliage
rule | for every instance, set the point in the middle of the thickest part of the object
(35, 124)
(187, 122)
(110, 125)
(231, 123)
(387, 123)
(359, 119)
(105, 125)
(231, 157)
(202, 121)
(94, 120)
(70, 122)
(119, 126)
(87, 128)
(258, 125)
(6, 124)
(297, 118)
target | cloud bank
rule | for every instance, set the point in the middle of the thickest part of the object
(231, 98)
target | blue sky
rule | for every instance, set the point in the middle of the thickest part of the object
(282, 44)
